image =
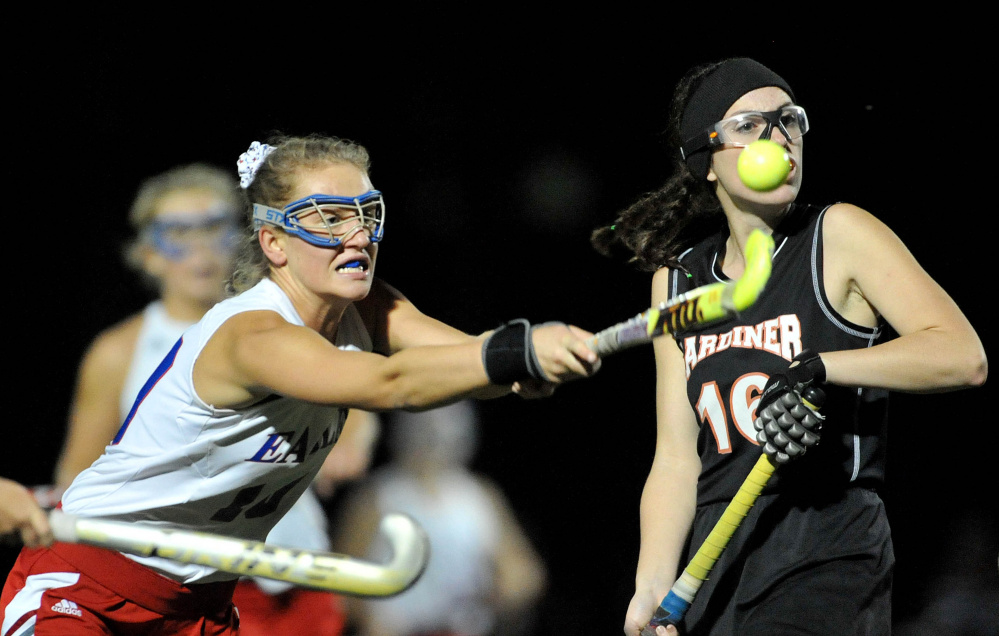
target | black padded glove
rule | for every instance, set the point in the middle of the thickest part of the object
(786, 426)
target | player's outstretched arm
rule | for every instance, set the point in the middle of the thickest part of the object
(396, 324)
(258, 353)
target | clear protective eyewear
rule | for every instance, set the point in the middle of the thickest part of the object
(175, 237)
(745, 128)
(327, 220)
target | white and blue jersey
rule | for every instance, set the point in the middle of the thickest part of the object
(179, 462)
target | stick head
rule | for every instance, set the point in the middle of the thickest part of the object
(759, 256)
(410, 551)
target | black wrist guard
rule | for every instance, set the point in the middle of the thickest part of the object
(508, 354)
(806, 369)
(809, 370)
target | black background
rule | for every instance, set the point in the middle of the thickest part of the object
(500, 142)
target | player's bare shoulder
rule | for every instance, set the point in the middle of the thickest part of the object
(243, 328)
(220, 373)
(852, 229)
(852, 239)
(660, 285)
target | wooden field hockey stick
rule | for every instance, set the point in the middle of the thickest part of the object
(684, 590)
(304, 568)
(700, 306)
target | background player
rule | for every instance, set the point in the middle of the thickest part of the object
(484, 577)
(186, 225)
(815, 553)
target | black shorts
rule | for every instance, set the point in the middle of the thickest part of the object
(799, 569)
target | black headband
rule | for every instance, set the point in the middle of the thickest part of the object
(715, 95)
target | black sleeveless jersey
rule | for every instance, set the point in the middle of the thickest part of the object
(729, 363)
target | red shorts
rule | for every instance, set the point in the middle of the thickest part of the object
(297, 611)
(77, 589)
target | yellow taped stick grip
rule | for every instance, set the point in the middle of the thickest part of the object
(737, 509)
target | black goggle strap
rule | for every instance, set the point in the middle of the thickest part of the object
(707, 139)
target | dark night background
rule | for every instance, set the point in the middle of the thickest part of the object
(500, 144)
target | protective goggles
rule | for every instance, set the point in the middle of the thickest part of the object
(325, 220)
(176, 237)
(745, 128)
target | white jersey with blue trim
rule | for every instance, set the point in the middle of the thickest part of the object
(305, 525)
(179, 462)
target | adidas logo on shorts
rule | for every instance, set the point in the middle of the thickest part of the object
(67, 607)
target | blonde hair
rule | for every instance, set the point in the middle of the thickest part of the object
(273, 184)
(152, 191)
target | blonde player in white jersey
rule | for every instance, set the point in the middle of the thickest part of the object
(186, 225)
(237, 419)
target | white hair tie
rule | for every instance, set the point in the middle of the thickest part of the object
(249, 162)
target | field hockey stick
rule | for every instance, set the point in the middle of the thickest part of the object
(681, 595)
(700, 306)
(304, 568)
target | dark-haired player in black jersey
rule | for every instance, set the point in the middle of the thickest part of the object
(814, 556)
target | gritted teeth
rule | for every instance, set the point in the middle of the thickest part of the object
(356, 265)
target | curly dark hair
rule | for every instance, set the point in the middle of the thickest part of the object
(655, 230)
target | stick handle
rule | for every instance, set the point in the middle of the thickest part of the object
(681, 595)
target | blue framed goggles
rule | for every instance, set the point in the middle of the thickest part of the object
(745, 128)
(176, 237)
(326, 220)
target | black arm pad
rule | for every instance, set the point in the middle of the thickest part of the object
(508, 354)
